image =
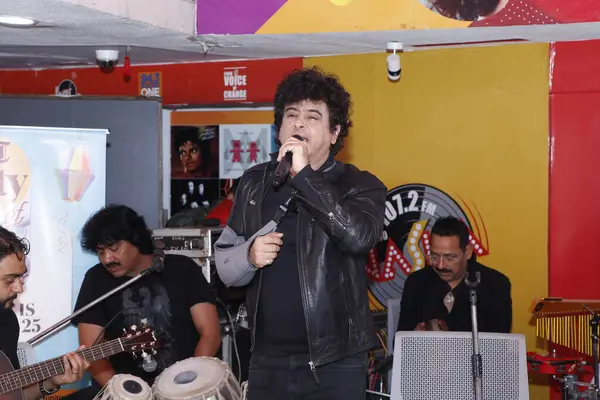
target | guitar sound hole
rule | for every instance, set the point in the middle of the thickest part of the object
(132, 387)
(185, 377)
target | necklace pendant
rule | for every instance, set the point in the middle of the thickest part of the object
(449, 301)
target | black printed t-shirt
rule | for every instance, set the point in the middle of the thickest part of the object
(9, 335)
(164, 298)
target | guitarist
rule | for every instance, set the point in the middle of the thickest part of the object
(13, 269)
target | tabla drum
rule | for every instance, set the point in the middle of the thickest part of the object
(125, 387)
(197, 378)
(436, 325)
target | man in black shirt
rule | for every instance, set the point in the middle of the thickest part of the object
(13, 269)
(176, 302)
(439, 291)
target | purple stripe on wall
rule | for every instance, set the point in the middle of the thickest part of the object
(234, 16)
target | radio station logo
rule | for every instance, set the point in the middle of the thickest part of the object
(235, 83)
(411, 210)
(66, 88)
(150, 84)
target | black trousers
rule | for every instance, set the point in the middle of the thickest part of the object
(290, 378)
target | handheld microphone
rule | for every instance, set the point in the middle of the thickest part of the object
(283, 169)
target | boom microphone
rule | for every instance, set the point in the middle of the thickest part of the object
(158, 262)
(477, 281)
(283, 169)
(158, 259)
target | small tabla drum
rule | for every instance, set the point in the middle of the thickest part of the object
(125, 387)
(436, 325)
(197, 378)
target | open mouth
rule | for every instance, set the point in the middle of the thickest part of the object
(113, 268)
(300, 137)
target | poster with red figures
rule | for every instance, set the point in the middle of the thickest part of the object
(243, 146)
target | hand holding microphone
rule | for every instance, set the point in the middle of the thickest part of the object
(293, 157)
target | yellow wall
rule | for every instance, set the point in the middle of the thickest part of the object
(472, 122)
(309, 16)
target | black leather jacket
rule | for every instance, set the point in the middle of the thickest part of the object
(341, 214)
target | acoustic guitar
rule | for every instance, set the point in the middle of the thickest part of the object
(13, 381)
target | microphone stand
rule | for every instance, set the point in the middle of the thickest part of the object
(476, 360)
(157, 264)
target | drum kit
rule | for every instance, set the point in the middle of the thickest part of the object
(566, 371)
(197, 378)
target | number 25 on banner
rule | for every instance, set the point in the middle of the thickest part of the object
(29, 323)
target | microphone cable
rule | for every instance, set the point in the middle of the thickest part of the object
(234, 338)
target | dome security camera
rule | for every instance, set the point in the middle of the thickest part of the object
(394, 68)
(107, 59)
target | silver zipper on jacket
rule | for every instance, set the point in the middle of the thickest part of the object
(330, 215)
(312, 364)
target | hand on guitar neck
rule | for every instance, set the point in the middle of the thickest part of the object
(73, 368)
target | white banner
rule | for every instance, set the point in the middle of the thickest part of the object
(51, 180)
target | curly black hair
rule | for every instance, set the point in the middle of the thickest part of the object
(10, 243)
(465, 10)
(115, 223)
(315, 85)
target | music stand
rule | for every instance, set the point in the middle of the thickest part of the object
(437, 365)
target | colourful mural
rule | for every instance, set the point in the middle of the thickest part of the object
(313, 16)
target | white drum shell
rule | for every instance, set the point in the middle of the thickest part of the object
(197, 378)
(116, 389)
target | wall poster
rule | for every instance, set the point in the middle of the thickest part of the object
(210, 149)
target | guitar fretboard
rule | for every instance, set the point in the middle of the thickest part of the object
(26, 376)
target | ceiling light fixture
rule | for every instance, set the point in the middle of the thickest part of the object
(16, 22)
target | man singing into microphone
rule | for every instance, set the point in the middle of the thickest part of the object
(307, 295)
(175, 301)
(439, 291)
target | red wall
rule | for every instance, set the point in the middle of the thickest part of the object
(574, 215)
(574, 144)
(194, 83)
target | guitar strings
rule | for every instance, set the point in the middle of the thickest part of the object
(30, 373)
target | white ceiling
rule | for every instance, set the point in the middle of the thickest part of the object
(161, 31)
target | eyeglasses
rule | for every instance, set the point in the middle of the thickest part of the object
(436, 258)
